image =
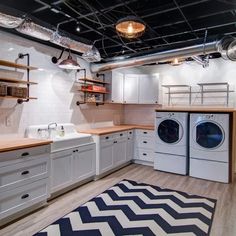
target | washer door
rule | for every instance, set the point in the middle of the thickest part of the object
(170, 131)
(209, 135)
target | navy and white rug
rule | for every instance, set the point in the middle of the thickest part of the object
(130, 208)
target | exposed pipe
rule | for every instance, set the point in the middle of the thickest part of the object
(222, 46)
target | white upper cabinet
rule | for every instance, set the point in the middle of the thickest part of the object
(131, 88)
(117, 88)
(134, 88)
(148, 89)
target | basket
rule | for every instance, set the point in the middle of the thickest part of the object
(17, 92)
(3, 90)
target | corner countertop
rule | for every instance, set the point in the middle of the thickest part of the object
(197, 109)
(11, 144)
(116, 128)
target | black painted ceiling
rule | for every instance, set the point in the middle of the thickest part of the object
(169, 22)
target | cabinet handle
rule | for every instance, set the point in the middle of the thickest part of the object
(121, 134)
(144, 154)
(144, 141)
(115, 141)
(77, 150)
(25, 196)
(128, 138)
(26, 172)
(107, 137)
(130, 132)
(24, 154)
(145, 132)
(74, 151)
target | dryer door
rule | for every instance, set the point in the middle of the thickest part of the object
(209, 135)
(170, 131)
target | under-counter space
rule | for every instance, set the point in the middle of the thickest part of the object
(116, 128)
(11, 144)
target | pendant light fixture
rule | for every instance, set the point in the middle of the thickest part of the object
(130, 27)
(69, 64)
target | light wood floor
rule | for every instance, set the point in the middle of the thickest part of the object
(224, 223)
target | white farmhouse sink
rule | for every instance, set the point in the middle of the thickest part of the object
(71, 138)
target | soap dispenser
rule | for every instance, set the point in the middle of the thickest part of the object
(62, 131)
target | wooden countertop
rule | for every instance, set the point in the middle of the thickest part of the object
(116, 128)
(11, 144)
(197, 109)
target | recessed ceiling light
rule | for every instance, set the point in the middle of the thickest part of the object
(55, 10)
(78, 29)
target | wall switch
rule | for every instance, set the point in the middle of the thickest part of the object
(8, 121)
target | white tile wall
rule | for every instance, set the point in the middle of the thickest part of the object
(56, 92)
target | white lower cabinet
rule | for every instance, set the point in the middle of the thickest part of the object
(119, 152)
(72, 166)
(130, 145)
(113, 150)
(105, 157)
(83, 163)
(144, 146)
(61, 175)
(24, 181)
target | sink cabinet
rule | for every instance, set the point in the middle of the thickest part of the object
(72, 166)
(83, 163)
(61, 175)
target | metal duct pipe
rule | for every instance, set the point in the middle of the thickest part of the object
(167, 55)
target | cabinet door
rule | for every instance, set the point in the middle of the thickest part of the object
(61, 175)
(119, 152)
(148, 89)
(83, 162)
(129, 148)
(106, 160)
(117, 87)
(131, 84)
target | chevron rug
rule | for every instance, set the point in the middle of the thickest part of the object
(131, 208)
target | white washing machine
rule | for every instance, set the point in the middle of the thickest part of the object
(171, 142)
(209, 146)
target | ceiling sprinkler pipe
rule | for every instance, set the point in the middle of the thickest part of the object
(167, 55)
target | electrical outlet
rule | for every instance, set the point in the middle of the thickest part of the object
(8, 121)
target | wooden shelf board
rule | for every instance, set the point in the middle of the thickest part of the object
(15, 65)
(91, 91)
(88, 102)
(93, 81)
(17, 81)
(11, 97)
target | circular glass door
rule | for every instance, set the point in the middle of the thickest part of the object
(209, 135)
(168, 131)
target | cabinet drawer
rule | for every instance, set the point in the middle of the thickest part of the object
(23, 197)
(105, 138)
(145, 154)
(145, 142)
(120, 135)
(130, 134)
(144, 132)
(21, 155)
(13, 176)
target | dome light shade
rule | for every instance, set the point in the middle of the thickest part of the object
(69, 64)
(130, 27)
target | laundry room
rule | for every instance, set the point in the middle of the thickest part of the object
(117, 117)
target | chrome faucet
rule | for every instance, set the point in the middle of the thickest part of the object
(50, 128)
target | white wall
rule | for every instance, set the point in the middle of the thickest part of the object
(56, 92)
(190, 74)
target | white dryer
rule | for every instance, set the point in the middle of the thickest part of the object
(209, 146)
(171, 142)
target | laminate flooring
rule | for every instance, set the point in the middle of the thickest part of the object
(224, 223)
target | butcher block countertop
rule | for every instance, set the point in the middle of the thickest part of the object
(197, 109)
(116, 128)
(11, 144)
